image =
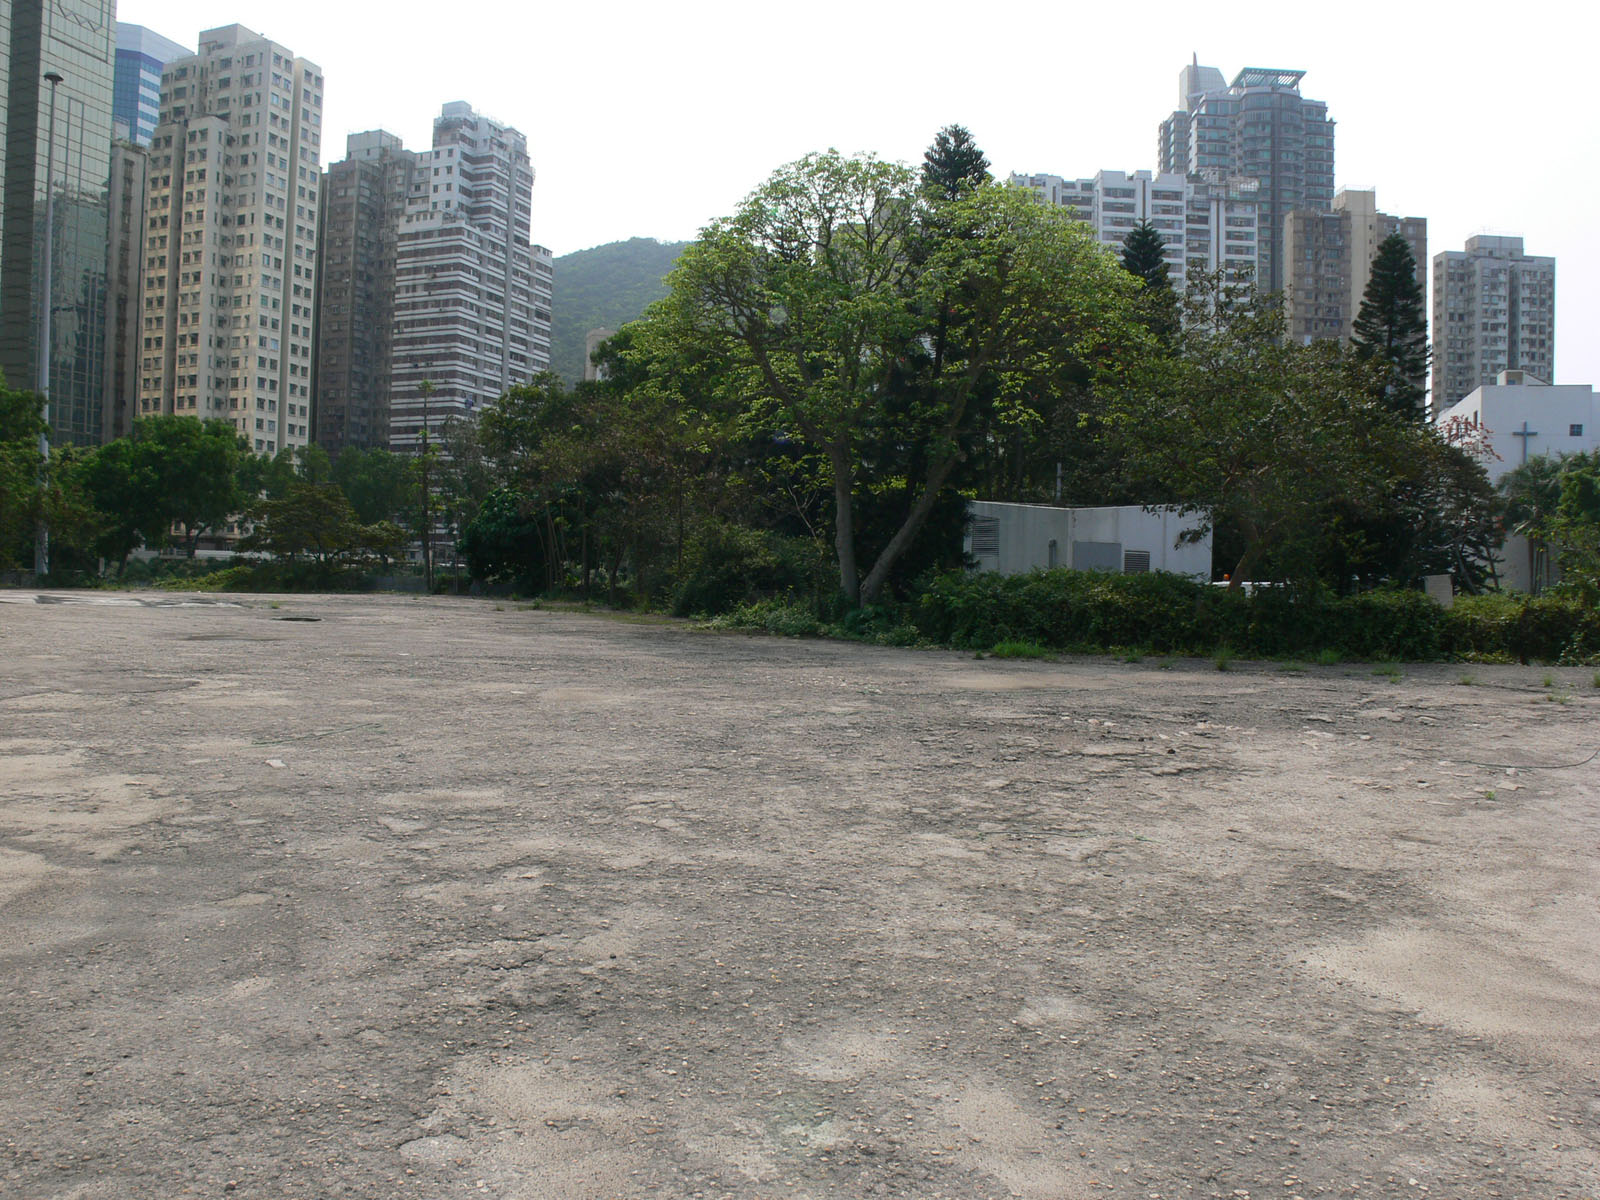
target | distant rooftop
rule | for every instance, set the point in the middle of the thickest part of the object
(1267, 77)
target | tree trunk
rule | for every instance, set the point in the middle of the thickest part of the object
(1247, 560)
(872, 586)
(844, 528)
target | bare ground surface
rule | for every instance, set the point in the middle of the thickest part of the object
(435, 898)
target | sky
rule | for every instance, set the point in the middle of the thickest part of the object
(650, 119)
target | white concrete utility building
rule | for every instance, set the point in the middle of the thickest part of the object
(1014, 538)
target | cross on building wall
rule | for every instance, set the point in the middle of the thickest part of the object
(1524, 433)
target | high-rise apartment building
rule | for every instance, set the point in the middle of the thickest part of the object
(364, 200)
(125, 249)
(71, 39)
(1259, 128)
(136, 87)
(1494, 310)
(1205, 227)
(231, 239)
(473, 296)
(1328, 261)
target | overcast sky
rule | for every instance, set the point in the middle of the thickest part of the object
(648, 119)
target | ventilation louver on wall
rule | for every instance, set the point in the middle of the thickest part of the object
(986, 537)
(1136, 562)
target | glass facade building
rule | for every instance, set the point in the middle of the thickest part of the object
(136, 92)
(74, 39)
(1259, 130)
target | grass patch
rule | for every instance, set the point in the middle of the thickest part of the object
(1389, 671)
(1223, 658)
(1293, 668)
(1329, 657)
(1466, 681)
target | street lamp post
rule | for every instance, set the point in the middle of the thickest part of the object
(41, 542)
(426, 388)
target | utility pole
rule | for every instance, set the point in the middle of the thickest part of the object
(426, 388)
(41, 542)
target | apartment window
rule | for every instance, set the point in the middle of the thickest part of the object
(1575, 431)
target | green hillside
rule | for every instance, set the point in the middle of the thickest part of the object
(604, 287)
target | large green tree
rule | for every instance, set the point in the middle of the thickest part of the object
(1254, 435)
(1391, 330)
(378, 483)
(823, 287)
(197, 467)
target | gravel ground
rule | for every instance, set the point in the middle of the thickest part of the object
(382, 897)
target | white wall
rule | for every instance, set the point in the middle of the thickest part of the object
(1550, 410)
(1027, 531)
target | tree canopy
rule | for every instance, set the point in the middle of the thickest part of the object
(826, 299)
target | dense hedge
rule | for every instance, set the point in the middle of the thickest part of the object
(1076, 610)
(727, 566)
(1549, 628)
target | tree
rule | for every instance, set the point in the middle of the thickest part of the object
(1391, 330)
(1254, 435)
(21, 422)
(311, 519)
(1575, 528)
(123, 481)
(1555, 503)
(1144, 257)
(953, 165)
(825, 298)
(1532, 493)
(196, 467)
(377, 483)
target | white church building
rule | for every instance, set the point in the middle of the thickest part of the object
(1520, 417)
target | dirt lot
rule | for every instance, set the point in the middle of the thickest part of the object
(396, 897)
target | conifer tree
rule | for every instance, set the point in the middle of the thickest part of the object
(1143, 257)
(1392, 329)
(1143, 254)
(953, 165)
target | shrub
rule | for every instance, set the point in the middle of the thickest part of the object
(772, 616)
(1172, 614)
(1549, 628)
(726, 566)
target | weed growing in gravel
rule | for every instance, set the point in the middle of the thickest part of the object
(1489, 795)
(1559, 698)
(1018, 650)
(1224, 657)
(1293, 668)
(1133, 656)
(1597, 679)
(1389, 672)
(1466, 681)
(1329, 657)
(1549, 679)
